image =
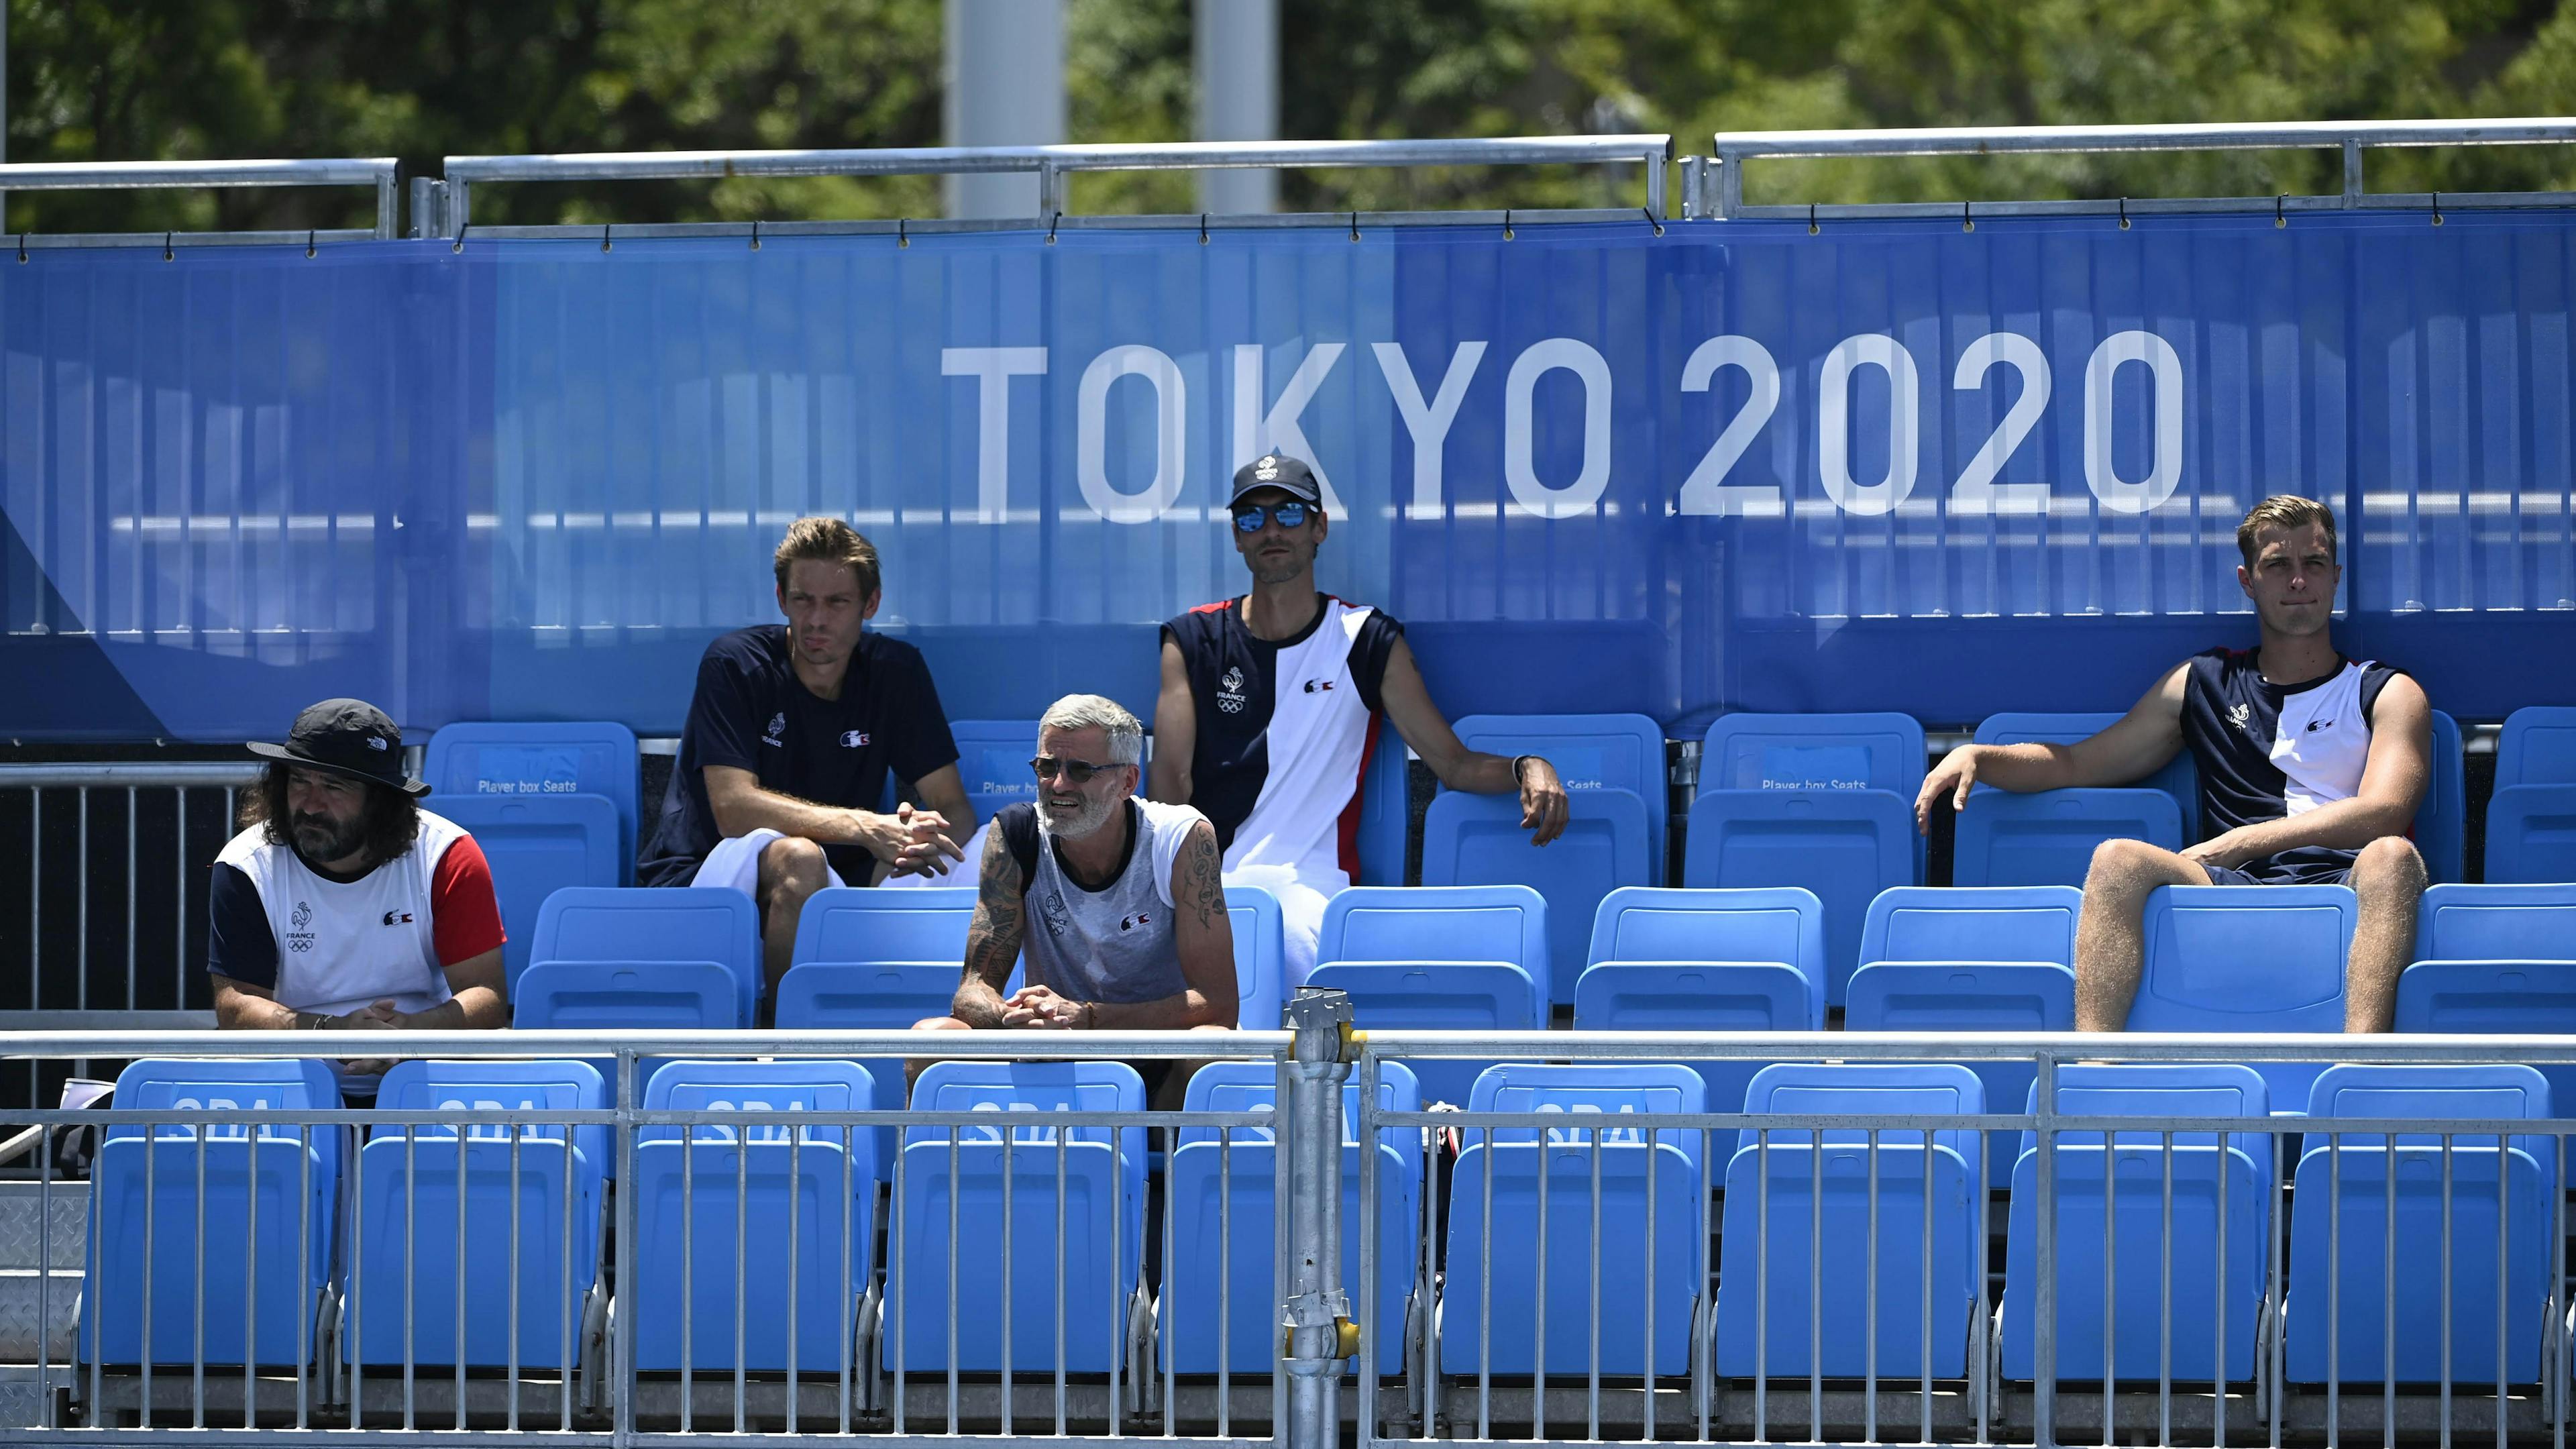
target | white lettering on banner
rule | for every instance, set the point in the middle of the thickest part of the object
(1171, 434)
(1277, 430)
(992, 368)
(1519, 471)
(1977, 491)
(1833, 425)
(1428, 422)
(2164, 472)
(1705, 491)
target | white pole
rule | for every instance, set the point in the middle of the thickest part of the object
(1004, 87)
(1237, 60)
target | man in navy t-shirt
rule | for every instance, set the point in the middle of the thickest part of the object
(790, 738)
(2311, 769)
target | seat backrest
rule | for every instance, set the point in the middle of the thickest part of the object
(1479, 840)
(2459, 1090)
(1922, 1089)
(1964, 923)
(230, 1084)
(1260, 956)
(1254, 1087)
(2160, 1089)
(1763, 923)
(2496, 922)
(679, 923)
(1697, 996)
(537, 845)
(540, 1086)
(627, 995)
(2178, 777)
(859, 924)
(1438, 995)
(587, 757)
(785, 1087)
(1590, 752)
(2226, 958)
(1589, 1090)
(993, 762)
(1813, 752)
(1437, 923)
(1004, 1086)
(1386, 810)
(2538, 747)
(2442, 818)
(1975, 995)
(827, 994)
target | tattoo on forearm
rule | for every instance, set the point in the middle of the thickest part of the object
(1203, 878)
(993, 939)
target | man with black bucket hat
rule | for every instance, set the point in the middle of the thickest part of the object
(344, 906)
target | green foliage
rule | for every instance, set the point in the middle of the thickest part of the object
(421, 80)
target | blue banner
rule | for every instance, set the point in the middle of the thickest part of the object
(1735, 466)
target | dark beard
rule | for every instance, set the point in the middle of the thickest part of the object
(325, 840)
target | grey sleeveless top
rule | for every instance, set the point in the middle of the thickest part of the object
(1114, 944)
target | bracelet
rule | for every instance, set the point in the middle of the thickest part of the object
(1516, 766)
(1091, 1016)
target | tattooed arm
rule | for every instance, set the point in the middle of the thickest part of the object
(993, 939)
(1204, 936)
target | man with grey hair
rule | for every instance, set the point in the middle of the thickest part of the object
(1130, 932)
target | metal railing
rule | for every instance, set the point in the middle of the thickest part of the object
(451, 201)
(375, 171)
(1722, 171)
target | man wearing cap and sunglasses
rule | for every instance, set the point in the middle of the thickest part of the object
(1270, 708)
(344, 906)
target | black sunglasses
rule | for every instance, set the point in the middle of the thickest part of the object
(1249, 517)
(1076, 772)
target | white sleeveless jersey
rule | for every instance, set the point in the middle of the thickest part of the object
(341, 946)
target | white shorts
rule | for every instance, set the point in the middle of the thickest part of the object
(1301, 912)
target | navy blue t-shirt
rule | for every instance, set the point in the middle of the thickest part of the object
(752, 713)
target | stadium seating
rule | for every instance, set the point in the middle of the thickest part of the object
(1590, 752)
(2048, 838)
(1438, 958)
(1386, 809)
(682, 923)
(1005, 1204)
(2531, 821)
(1223, 1255)
(408, 1281)
(627, 995)
(1814, 752)
(2494, 1202)
(864, 926)
(868, 959)
(2442, 820)
(1999, 958)
(2217, 1269)
(2178, 779)
(1592, 1286)
(539, 760)
(993, 762)
(537, 845)
(2270, 961)
(1844, 845)
(1260, 957)
(2478, 922)
(2496, 959)
(1706, 960)
(1772, 1253)
(1479, 840)
(262, 1194)
(747, 1242)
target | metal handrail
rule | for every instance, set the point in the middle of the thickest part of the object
(1731, 149)
(1053, 165)
(376, 171)
(1917, 1046)
(145, 775)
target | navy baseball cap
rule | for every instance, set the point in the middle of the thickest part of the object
(345, 737)
(1277, 470)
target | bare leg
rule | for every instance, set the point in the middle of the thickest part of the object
(2388, 875)
(1176, 1082)
(2110, 938)
(912, 1066)
(791, 869)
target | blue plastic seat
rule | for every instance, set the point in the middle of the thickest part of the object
(1968, 959)
(678, 923)
(1222, 1256)
(1826, 752)
(713, 1196)
(1846, 846)
(876, 996)
(408, 1203)
(2442, 820)
(2497, 1210)
(1774, 923)
(1479, 840)
(2178, 778)
(1386, 809)
(1700, 996)
(1260, 957)
(2268, 961)
(1103, 1172)
(519, 760)
(860, 924)
(626, 995)
(2048, 837)
(1590, 752)
(1479, 925)
(2504, 998)
(1767, 1255)
(993, 762)
(2217, 1283)
(537, 845)
(2472, 922)
(1651, 1234)
(2531, 819)
(261, 1194)
(1484, 996)
(2001, 923)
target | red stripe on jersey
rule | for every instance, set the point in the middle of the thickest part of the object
(1219, 607)
(464, 916)
(1350, 821)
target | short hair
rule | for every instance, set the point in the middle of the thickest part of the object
(1092, 712)
(392, 818)
(830, 541)
(2284, 510)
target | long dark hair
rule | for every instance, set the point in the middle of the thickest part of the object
(393, 818)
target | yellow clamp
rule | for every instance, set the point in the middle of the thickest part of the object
(1346, 1340)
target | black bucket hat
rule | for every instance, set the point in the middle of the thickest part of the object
(346, 737)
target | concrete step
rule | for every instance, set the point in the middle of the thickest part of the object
(22, 1204)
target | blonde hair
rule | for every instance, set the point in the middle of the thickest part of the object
(2284, 510)
(830, 541)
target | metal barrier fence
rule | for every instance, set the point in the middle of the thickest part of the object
(1790, 1295)
(375, 171)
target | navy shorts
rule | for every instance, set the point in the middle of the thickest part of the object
(2307, 865)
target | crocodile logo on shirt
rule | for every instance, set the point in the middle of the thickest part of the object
(2315, 725)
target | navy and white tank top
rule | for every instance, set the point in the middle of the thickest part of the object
(2266, 751)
